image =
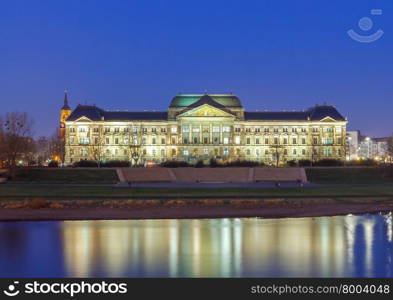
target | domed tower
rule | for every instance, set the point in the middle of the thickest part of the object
(65, 112)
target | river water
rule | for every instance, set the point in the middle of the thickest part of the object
(341, 246)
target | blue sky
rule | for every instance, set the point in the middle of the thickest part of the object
(136, 55)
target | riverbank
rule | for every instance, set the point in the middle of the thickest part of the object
(183, 209)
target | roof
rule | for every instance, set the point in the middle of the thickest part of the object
(315, 113)
(227, 100)
(95, 113)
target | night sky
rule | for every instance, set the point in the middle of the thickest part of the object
(137, 55)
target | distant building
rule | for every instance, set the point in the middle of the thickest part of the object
(201, 127)
(353, 138)
(373, 148)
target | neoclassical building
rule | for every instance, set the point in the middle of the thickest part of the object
(200, 127)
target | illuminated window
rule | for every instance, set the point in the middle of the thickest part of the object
(162, 152)
(294, 151)
(195, 129)
(174, 129)
(84, 140)
(237, 140)
(226, 151)
(226, 129)
(257, 152)
(185, 152)
(206, 150)
(226, 140)
(216, 129)
(82, 129)
(338, 129)
(327, 151)
(327, 129)
(84, 152)
(327, 141)
(186, 129)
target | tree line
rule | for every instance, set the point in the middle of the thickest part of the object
(19, 147)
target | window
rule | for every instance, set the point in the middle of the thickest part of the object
(257, 130)
(237, 140)
(173, 141)
(285, 141)
(327, 151)
(116, 151)
(71, 151)
(162, 152)
(95, 129)
(285, 151)
(72, 140)
(154, 130)
(285, 129)
(294, 141)
(266, 152)
(294, 151)
(163, 130)
(327, 141)
(135, 139)
(144, 152)
(174, 129)
(153, 141)
(248, 151)
(338, 129)
(215, 140)
(107, 141)
(125, 152)
(248, 129)
(107, 129)
(153, 152)
(195, 140)
(144, 130)
(205, 140)
(237, 129)
(315, 129)
(186, 129)
(185, 152)
(226, 151)
(266, 130)
(195, 129)
(327, 129)
(275, 130)
(248, 141)
(143, 141)
(173, 152)
(315, 141)
(134, 129)
(108, 152)
(72, 129)
(303, 151)
(82, 129)
(206, 150)
(339, 141)
(116, 141)
(266, 141)
(303, 141)
(226, 140)
(257, 152)
(257, 141)
(84, 152)
(216, 129)
(163, 141)
(294, 129)
(126, 141)
(125, 129)
(276, 141)
(226, 129)
(117, 129)
(304, 129)
(339, 152)
(96, 141)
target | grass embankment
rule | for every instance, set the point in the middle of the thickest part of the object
(70, 176)
(107, 192)
(346, 176)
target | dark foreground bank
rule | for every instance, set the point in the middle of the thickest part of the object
(231, 210)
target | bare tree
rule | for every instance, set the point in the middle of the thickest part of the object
(16, 141)
(97, 145)
(276, 150)
(390, 147)
(133, 143)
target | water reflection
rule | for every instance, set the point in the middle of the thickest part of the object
(318, 247)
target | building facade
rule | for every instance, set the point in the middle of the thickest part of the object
(201, 127)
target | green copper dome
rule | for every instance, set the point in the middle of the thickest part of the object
(183, 100)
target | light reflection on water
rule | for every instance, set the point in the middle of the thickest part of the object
(358, 246)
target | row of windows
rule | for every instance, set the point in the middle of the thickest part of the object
(237, 140)
(205, 129)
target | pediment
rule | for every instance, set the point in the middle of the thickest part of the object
(205, 110)
(83, 119)
(328, 119)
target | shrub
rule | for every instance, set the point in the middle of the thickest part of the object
(304, 163)
(292, 163)
(213, 163)
(199, 164)
(362, 162)
(244, 163)
(85, 164)
(328, 163)
(37, 203)
(174, 164)
(53, 164)
(115, 164)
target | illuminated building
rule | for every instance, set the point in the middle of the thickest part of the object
(201, 127)
(65, 112)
